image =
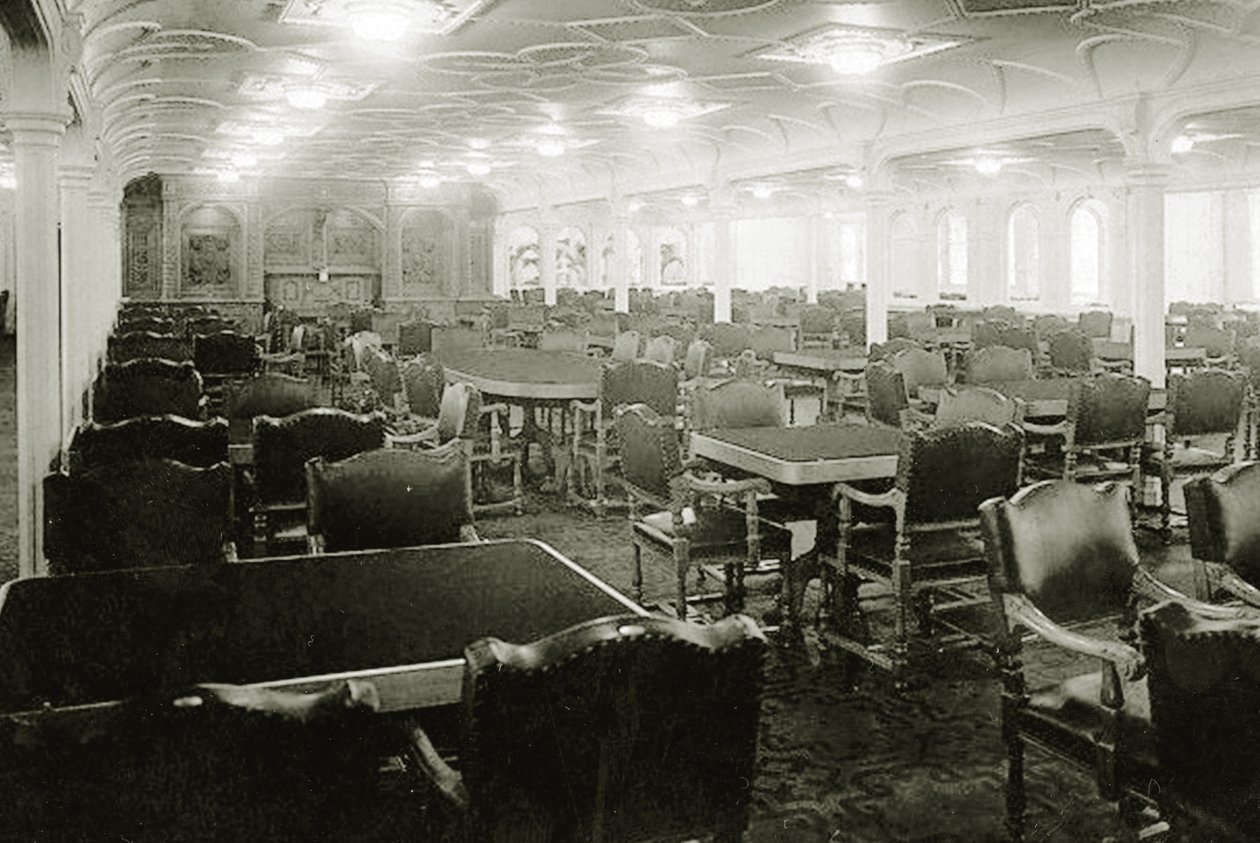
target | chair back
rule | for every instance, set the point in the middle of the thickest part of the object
(976, 404)
(639, 382)
(1108, 409)
(619, 729)
(1001, 313)
(1071, 351)
(147, 387)
(999, 364)
(207, 324)
(947, 472)
(661, 349)
(136, 344)
(137, 514)
(1071, 573)
(817, 321)
(1018, 337)
(626, 346)
(1205, 401)
(225, 353)
(649, 450)
(389, 498)
(885, 393)
(1049, 324)
(195, 443)
(728, 339)
(414, 338)
(283, 445)
(423, 379)
(563, 339)
(446, 338)
(459, 412)
(1095, 324)
(382, 371)
(268, 394)
(1224, 515)
(527, 317)
(696, 363)
(1204, 694)
(737, 403)
(894, 346)
(920, 367)
(1217, 342)
(145, 323)
(766, 340)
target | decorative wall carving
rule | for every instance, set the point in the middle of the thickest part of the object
(308, 295)
(426, 248)
(210, 253)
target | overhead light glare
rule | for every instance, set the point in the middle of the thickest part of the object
(634, 206)
(268, 137)
(661, 117)
(379, 20)
(306, 97)
(551, 147)
(857, 56)
(228, 176)
(762, 191)
(690, 200)
(429, 181)
(854, 181)
(8, 181)
(479, 143)
(987, 166)
(1182, 144)
(478, 168)
(244, 159)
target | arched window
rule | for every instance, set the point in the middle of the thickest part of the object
(906, 274)
(523, 254)
(1023, 257)
(1086, 233)
(571, 258)
(951, 254)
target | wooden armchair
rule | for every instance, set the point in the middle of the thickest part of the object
(1102, 434)
(423, 379)
(223, 356)
(1000, 364)
(563, 339)
(198, 444)
(148, 387)
(818, 327)
(1070, 353)
(1066, 586)
(976, 404)
(680, 527)
(1224, 515)
(1095, 324)
(661, 349)
(202, 324)
(281, 448)
(145, 323)
(552, 751)
(1203, 404)
(594, 446)
(919, 538)
(136, 344)
(268, 394)
(920, 368)
(136, 514)
(414, 337)
(626, 346)
(886, 399)
(389, 498)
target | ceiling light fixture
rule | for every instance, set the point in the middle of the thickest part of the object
(306, 97)
(244, 159)
(551, 147)
(634, 206)
(987, 166)
(690, 200)
(1182, 144)
(379, 20)
(228, 176)
(854, 181)
(268, 137)
(478, 143)
(661, 117)
(857, 56)
(429, 181)
(478, 168)
(762, 191)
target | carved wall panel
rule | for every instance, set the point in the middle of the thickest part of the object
(210, 253)
(427, 244)
(307, 295)
(351, 240)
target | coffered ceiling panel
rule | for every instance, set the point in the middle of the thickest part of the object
(545, 95)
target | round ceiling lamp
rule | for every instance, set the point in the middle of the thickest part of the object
(478, 168)
(268, 137)
(551, 147)
(306, 97)
(690, 200)
(854, 181)
(379, 20)
(857, 56)
(762, 191)
(662, 117)
(1182, 144)
(244, 159)
(988, 166)
(228, 176)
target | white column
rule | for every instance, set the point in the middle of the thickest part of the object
(1146, 182)
(1054, 244)
(547, 260)
(723, 259)
(76, 281)
(620, 269)
(1237, 248)
(878, 269)
(36, 139)
(817, 256)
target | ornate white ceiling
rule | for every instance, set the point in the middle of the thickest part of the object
(182, 86)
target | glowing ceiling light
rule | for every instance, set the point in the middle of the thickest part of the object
(634, 206)
(478, 168)
(479, 143)
(228, 176)
(268, 137)
(379, 20)
(429, 181)
(854, 181)
(661, 117)
(690, 200)
(762, 191)
(1182, 144)
(856, 57)
(8, 181)
(551, 147)
(306, 97)
(987, 166)
(244, 159)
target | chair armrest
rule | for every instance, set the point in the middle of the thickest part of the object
(1224, 576)
(468, 533)
(229, 552)
(1127, 660)
(887, 499)
(1056, 429)
(428, 436)
(584, 406)
(447, 780)
(286, 506)
(315, 544)
(726, 487)
(493, 409)
(1151, 588)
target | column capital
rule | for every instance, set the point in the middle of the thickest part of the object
(36, 128)
(1144, 172)
(877, 199)
(77, 175)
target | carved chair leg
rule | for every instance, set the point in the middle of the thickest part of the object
(682, 562)
(1016, 800)
(1165, 497)
(903, 593)
(518, 488)
(636, 574)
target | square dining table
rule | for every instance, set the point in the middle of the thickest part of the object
(804, 456)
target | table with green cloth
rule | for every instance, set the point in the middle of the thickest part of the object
(537, 381)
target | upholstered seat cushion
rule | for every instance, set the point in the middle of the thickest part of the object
(717, 531)
(1089, 467)
(1068, 716)
(936, 555)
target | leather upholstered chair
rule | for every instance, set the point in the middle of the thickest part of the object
(389, 498)
(976, 404)
(626, 346)
(696, 362)
(1048, 324)
(1095, 324)
(201, 324)
(137, 514)
(886, 398)
(1069, 353)
(726, 528)
(145, 322)
(895, 345)
(1204, 694)
(999, 364)
(423, 379)
(736, 403)
(136, 344)
(1001, 313)
(148, 387)
(594, 449)
(818, 327)
(222, 356)
(553, 751)
(194, 443)
(1069, 586)
(382, 371)
(1204, 404)
(281, 448)
(919, 539)
(661, 349)
(919, 367)
(563, 339)
(414, 337)
(268, 394)
(727, 338)
(1224, 515)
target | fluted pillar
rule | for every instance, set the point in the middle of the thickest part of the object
(547, 260)
(722, 209)
(620, 269)
(76, 291)
(878, 272)
(1146, 182)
